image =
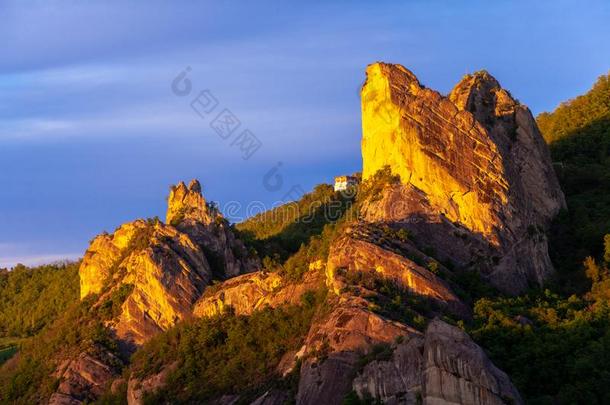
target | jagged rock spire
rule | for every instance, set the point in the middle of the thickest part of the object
(187, 203)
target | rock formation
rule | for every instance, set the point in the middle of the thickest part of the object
(246, 293)
(357, 251)
(159, 271)
(474, 190)
(84, 378)
(476, 159)
(444, 366)
(189, 212)
(166, 270)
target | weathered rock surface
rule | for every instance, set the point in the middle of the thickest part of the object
(189, 212)
(249, 292)
(356, 251)
(166, 270)
(397, 380)
(167, 278)
(408, 208)
(137, 388)
(85, 378)
(105, 253)
(159, 271)
(458, 371)
(334, 346)
(476, 157)
(443, 367)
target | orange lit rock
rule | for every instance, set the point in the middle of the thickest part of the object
(354, 252)
(475, 157)
(159, 271)
(246, 293)
(105, 252)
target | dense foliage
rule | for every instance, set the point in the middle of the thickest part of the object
(34, 297)
(30, 378)
(282, 231)
(574, 115)
(226, 354)
(566, 341)
(579, 136)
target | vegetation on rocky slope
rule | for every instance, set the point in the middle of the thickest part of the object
(553, 342)
(566, 340)
(563, 332)
(232, 354)
(79, 328)
(282, 231)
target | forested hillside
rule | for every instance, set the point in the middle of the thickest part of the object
(564, 331)
(32, 298)
(578, 132)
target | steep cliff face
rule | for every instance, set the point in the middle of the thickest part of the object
(168, 266)
(167, 278)
(164, 269)
(475, 158)
(105, 253)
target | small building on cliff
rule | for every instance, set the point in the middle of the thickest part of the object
(343, 182)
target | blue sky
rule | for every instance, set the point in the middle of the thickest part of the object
(91, 134)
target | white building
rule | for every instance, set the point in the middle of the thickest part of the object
(343, 182)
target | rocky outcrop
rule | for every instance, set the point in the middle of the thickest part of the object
(249, 292)
(167, 265)
(138, 388)
(85, 378)
(335, 345)
(105, 254)
(189, 212)
(475, 157)
(167, 278)
(397, 380)
(163, 271)
(155, 272)
(457, 370)
(443, 367)
(356, 251)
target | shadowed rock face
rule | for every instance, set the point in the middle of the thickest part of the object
(335, 345)
(475, 157)
(444, 366)
(84, 378)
